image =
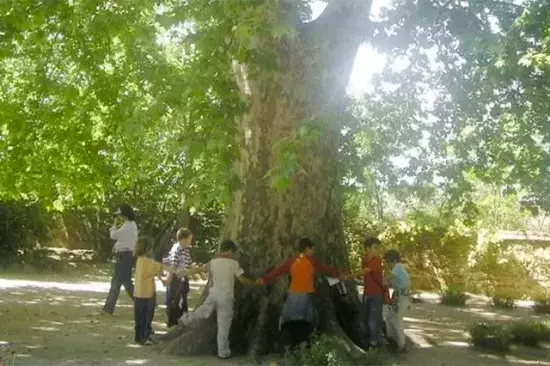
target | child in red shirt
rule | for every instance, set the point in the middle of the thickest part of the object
(373, 292)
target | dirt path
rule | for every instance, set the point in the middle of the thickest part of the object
(56, 323)
(441, 337)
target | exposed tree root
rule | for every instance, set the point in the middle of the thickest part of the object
(255, 328)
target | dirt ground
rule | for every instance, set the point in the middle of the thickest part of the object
(57, 323)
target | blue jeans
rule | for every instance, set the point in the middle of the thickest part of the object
(143, 312)
(121, 277)
(372, 319)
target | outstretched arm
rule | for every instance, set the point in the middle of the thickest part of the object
(155, 269)
(196, 269)
(325, 268)
(165, 280)
(246, 281)
(276, 273)
(366, 268)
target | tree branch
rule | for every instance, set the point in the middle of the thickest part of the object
(338, 32)
(343, 19)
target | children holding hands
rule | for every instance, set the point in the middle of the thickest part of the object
(224, 269)
(144, 290)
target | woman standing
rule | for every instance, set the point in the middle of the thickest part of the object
(125, 232)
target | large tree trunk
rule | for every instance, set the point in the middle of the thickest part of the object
(265, 222)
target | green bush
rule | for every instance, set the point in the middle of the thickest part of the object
(503, 302)
(329, 351)
(23, 225)
(530, 334)
(437, 256)
(545, 331)
(453, 297)
(542, 306)
(495, 337)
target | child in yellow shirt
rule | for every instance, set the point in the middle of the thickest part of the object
(144, 289)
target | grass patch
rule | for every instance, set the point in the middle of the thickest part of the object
(329, 351)
(499, 337)
(495, 337)
(453, 297)
(530, 334)
(542, 306)
(503, 302)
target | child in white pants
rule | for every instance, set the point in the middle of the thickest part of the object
(223, 269)
(401, 299)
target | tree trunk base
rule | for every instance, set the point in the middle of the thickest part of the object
(198, 339)
(255, 329)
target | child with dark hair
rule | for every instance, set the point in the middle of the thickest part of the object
(144, 290)
(178, 288)
(373, 292)
(224, 269)
(298, 315)
(401, 301)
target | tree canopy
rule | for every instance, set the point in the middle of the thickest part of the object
(141, 95)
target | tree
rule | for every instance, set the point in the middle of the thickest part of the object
(253, 91)
(246, 105)
(292, 74)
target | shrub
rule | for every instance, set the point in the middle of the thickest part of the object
(496, 337)
(542, 306)
(453, 297)
(329, 351)
(23, 225)
(502, 270)
(545, 331)
(437, 256)
(503, 302)
(530, 334)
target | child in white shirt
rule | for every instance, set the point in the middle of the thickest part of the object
(224, 269)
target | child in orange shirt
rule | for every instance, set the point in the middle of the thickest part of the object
(298, 308)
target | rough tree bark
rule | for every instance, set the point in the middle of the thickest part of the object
(311, 84)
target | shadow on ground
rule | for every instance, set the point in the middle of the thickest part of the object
(441, 337)
(51, 323)
(57, 323)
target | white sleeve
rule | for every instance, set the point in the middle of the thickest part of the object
(238, 270)
(113, 231)
(124, 230)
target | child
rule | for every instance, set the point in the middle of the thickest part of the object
(179, 258)
(223, 269)
(401, 300)
(373, 292)
(144, 290)
(298, 315)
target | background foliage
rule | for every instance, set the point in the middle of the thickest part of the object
(108, 102)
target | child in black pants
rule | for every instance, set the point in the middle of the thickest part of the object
(144, 290)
